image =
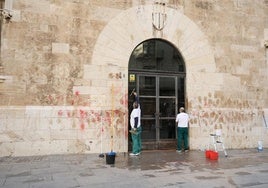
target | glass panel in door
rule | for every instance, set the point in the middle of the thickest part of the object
(147, 94)
(148, 118)
(167, 107)
(167, 118)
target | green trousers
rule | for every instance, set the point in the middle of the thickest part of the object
(136, 141)
(182, 138)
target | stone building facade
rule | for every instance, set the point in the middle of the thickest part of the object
(65, 71)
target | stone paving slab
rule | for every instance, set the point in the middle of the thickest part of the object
(242, 168)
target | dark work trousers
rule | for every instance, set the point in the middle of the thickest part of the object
(182, 138)
(136, 141)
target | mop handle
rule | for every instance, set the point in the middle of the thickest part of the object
(264, 120)
(133, 90)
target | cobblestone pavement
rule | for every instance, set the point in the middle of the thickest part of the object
(242, 168)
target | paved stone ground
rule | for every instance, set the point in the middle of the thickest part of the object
(242, 168)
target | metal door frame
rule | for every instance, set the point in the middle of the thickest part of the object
(157, 96)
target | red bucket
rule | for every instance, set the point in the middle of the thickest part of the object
(207, 153)
(214, 155)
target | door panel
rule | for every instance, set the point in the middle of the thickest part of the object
(148, 130)
(158, 106)
(148, 106)
(147, 85)
(167, 86)
(167, 118)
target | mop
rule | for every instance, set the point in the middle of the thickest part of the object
(101, 155)
(265, 123)
(260, 146)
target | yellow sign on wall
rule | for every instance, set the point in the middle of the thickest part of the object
(132, 78)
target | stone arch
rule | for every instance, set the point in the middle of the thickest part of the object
(124, 32)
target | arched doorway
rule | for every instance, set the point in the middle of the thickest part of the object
(157, 73)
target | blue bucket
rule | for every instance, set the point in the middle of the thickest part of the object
(110, 157)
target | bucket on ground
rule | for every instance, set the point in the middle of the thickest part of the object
(110, 157)
(207, 153)
(214, 155)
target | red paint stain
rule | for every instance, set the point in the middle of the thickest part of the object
(117, 112)
(60, 113)
(82, 126)
(124, 100)
(98, 118)
(49, 97)
(69, 114)
(93, 118)
(83, 114)
(107, 118)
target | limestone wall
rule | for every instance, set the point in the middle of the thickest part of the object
(65, 67)
(39, 130)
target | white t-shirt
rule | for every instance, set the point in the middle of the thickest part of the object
(182, 119)
(135, 113)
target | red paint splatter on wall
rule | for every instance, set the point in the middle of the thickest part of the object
(69, 114)
(124, 100)
(82, 126)
(60, 113)
(107, 118)
(91, 117)
(50, 98)
(100, 118)
(83, 114)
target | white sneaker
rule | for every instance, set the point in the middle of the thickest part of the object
(179, 151)
(134, 154)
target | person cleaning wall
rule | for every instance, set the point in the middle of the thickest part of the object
(135, 123)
